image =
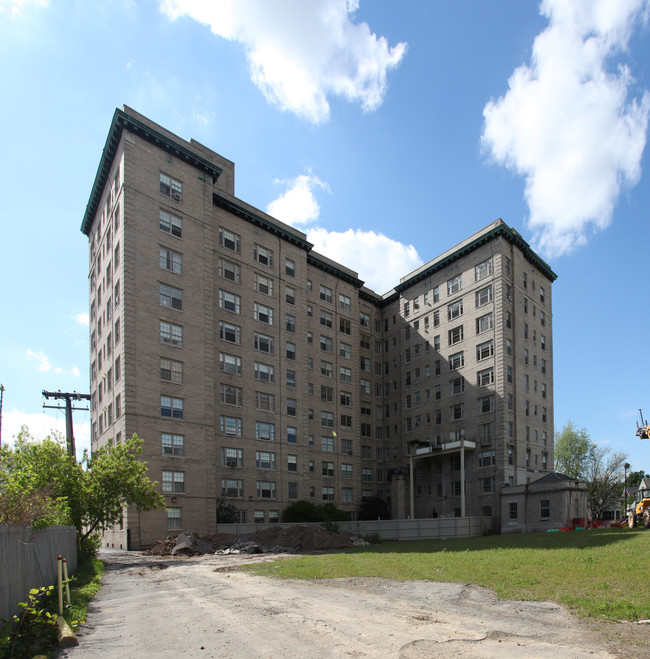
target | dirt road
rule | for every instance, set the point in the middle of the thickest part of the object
(198, 607)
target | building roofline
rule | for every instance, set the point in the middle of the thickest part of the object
(241, 210)
(324, 264)
(497, 229)
(121, 121)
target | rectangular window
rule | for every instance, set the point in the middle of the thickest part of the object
(266, 489)
(174, 521)
(170, 187)
(231, 425)
(545, 509)
(173, 444)
(230, 395)
(292, 435)
(327, 444)
(171, 297)
(290, 323)
(486, 458)
(171, 407)
(230, 332)
(264, 372)
(263, 313)
(484, 323)
(229, 363)
(229, 240)
(345, 350)
(364, 319)
(484, 296)
(291, 379)
(345, 326)
(454, 285)
(457, 412)
(293, 491)
(171, 224)
(173, 481)
(232, 457)
(325, 293)
(326, 344)
(263, 255)
(264, 402)
(456, 387)
(485, 377)
(291, 407)
(231, 487)
(171, 260)
(263, 343)
(485, 404)
(455, 335)
(326, 369)
(290, 267)
(326, 319)
(455, 310)
(345, 375)
(328, 493)
(264, 460)
(456, 360)
(171, 371)
(483, 269)
(229, 301)
(484, 350)
(230, 271)
(263, 284)
(265, 431)
(345, 303)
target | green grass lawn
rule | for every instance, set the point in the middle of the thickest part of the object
(598, 573)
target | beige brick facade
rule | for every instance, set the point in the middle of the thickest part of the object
(256, 369)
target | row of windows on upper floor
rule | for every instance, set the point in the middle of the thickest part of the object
(456, 309)
(455, 285)
(172, 261)
(111, 209)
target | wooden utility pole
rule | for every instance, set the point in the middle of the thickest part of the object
(68, 398)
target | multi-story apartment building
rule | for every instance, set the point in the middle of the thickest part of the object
(260, 371)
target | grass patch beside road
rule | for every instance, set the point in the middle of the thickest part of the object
(599, 573)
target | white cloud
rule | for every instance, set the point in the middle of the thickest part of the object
(379, 260)
(43, 361)
(298, 205)
(17, 8)
(300, 52)
(45, 365)
(82, 319)
(40, 425)
(567, 123)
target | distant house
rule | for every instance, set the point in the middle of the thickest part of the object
(551, 502)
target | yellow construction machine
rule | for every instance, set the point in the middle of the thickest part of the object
(639, 511)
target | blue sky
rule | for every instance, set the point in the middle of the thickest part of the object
(387, 131)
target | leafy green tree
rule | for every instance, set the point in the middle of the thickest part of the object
(307, 511)
(374, 508)
(226, 511)
(572, 448)
(302, 511)
(89, 495)
(604, 476)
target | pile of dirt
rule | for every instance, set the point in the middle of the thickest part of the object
(274, 540)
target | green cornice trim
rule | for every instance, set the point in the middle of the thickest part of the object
(502, 230)
(248, 215)
(122, 121)
(334, 271)
(373, 299)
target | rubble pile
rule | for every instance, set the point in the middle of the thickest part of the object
(276, 540)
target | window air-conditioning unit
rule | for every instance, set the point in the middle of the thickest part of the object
(176, 196)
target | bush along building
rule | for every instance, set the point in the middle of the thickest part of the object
(262, 372)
